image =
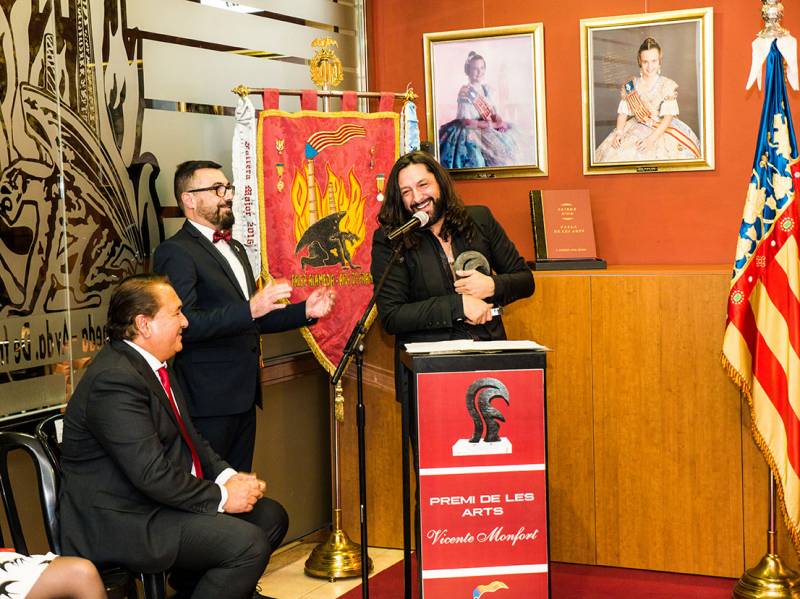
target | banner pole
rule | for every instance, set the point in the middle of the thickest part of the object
(338, 556)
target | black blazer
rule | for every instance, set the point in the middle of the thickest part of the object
(218, 366)
(418, 301)
(125, 461)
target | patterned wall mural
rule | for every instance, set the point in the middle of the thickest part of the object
(82, 143)
(72, 218)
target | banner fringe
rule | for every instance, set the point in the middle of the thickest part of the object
(266, 277)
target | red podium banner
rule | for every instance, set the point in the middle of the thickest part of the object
(482, 484)
(322, 177)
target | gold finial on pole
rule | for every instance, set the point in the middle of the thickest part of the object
(410, 94)
(326, 68)
(241, 90)
(772, 14)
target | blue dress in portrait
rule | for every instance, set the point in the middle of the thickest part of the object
(471, 146)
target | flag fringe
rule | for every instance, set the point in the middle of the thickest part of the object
(744, 386)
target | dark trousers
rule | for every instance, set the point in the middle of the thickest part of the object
(224, 555)
(232, 437)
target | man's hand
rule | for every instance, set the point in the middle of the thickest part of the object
(474, 283)
(244, 489)
(320, 302)
(267, 299)
(476, 311)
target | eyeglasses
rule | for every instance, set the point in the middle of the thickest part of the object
(219, 189)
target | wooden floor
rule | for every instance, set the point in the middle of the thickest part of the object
(285, 579)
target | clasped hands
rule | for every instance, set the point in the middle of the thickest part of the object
(474, 287)
(244, 490)
(271, 297)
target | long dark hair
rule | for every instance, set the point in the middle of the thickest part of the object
(394, 213)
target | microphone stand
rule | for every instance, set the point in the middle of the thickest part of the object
(355, 348)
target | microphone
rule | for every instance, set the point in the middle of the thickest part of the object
(418, 219)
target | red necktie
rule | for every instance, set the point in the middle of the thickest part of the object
(162, 374)
(222, 235)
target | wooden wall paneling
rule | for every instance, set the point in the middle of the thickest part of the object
(667, 425)
(558, 316)
(292, 444)
(384, 460)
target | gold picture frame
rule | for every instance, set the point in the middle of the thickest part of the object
(487, 119)
(667, 120)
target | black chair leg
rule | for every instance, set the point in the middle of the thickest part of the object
(155, 585)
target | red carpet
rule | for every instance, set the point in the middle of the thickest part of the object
(571, 581)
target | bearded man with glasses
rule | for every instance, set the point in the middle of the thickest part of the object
(219, 364)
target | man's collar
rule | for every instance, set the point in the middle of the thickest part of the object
(205, 231)
(151, 360)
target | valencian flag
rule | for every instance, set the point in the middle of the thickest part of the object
(761, 350)
(322, 177)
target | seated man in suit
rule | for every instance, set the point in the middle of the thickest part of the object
(141, 487)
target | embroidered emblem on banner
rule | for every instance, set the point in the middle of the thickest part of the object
(320, 199)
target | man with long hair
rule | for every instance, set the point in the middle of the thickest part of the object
(424, 298)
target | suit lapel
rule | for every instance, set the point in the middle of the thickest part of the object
(207, 246)
(241, 255)
(150, 378)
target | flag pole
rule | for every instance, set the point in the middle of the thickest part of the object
(770, 578)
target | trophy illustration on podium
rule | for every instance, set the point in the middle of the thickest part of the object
(485, 417)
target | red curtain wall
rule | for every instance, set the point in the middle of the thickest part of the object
(654, 218)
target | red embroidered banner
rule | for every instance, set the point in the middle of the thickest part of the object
(322, 180)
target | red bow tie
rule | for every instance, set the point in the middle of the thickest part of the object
(225, 235)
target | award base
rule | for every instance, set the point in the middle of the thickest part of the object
(464, 447)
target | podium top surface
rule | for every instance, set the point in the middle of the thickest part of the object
(464, 361)
(457, 346)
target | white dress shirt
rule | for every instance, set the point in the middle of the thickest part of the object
(156, 365)
(227, 252)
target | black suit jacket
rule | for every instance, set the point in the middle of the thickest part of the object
(125, 461)
(418, 301)
(218, 366)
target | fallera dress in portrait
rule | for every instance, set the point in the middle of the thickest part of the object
(645, 108)
(472, 147)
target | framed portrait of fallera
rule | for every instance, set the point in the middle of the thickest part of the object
(485, 101)
(648, 92)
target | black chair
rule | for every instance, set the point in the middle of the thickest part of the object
(49, 432)
(43, 451)
(48, 490)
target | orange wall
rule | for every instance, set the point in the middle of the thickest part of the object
(654, 218)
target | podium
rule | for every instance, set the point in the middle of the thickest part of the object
(476, 423)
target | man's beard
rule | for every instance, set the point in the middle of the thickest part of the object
(220, 220)
(437, 213)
